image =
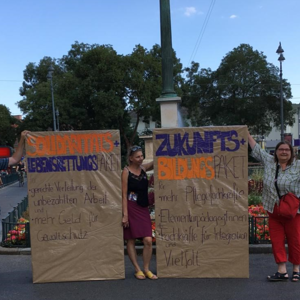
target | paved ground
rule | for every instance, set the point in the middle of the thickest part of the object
(16, 283)
(16, 277)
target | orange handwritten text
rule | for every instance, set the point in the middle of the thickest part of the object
(70, 144)
(182, 168)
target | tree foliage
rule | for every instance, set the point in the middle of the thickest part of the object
(8, 131)
(87, 85)
(244, 90)
(95, 88)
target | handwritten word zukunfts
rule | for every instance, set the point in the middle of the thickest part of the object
(185, 145)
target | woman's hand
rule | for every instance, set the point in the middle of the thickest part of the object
(25, 133)
(125, 222)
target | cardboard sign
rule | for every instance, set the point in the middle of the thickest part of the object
(201, 202)
(75, 205)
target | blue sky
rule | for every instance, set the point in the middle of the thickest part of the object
(203, 31)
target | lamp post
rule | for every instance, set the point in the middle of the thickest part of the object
(49, 76)
(281, 58)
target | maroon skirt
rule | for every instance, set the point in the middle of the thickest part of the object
(139, 222)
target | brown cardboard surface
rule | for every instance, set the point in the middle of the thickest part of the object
(75, 205)
(201, 202)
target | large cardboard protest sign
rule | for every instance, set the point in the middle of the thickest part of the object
(201, 202)
(75, 205)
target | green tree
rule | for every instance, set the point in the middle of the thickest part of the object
(8, 132)
(36, 104)
(244, 90)
(143, 81)
(95, 88)
(144, 85)
(88, 90)
(198, 89)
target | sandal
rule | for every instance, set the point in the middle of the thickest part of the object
(278, 277)
(296, 276)
(150, 275)
(139, 275)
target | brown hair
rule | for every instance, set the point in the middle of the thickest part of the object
(291, 149)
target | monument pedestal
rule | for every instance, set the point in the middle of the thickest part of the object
(170, 114)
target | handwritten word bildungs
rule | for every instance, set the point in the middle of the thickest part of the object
(185, 168)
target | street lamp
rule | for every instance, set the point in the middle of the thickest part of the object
(49, 76)
(281, 59)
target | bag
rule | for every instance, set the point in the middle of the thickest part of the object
(288, 206)
(288, 203)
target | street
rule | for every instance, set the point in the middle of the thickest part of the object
(16, 278)
(16, 283)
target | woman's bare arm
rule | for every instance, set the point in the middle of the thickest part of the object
(16, 157)
(148, 166)
(251, 141)
(124, 178)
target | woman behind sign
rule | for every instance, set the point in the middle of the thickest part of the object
(136, 218)
(288, 180)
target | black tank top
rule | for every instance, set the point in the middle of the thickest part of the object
(139, 186)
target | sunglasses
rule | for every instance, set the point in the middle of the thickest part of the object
(135, 148)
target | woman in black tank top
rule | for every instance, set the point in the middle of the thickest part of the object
(136, 218)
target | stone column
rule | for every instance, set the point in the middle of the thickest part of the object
(166, 50)
(170, 115)
(169, 101)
